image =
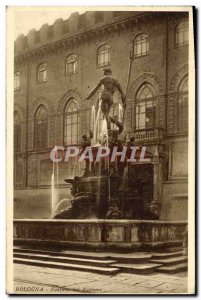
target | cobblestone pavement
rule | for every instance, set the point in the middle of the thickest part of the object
(39, 280)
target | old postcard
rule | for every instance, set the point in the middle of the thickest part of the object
(100, 150)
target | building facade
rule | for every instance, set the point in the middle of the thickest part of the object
(57, 66)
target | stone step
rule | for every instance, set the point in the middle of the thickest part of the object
(136, 257)
(166, 254)
(137, 268)
(77, 254)
(174, 249)
(70, 260)
(58, 265)
(173, 269)
(171, 261)
(131, 258)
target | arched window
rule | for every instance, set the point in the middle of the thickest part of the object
(103, 56)
(141, 45)
(181, 34)
(71, 123)
(17, 82)
(41, 128)
(42, 72)
(17, 132)
(145, 107)
(183, 106)
(71, 64)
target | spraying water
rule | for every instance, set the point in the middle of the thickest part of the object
(97, 122)
(54, 195)
(75, 166)
(103, 129)
(93, 120)
(53, 192)
(120, 113)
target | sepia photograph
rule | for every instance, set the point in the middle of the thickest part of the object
(100, 150)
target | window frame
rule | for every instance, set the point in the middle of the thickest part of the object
(99, 50)
(17, 79)
(67, 71)
(44, 122)
(145, 101)
(135, 43)
(180, 127)
(181, 31)
(41, 70)
(18, 136)
(65, 123)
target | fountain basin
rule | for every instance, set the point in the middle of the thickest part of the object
(100, 234)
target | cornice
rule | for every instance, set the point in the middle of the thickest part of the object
(99, 33)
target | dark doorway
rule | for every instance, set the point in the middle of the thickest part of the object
(139, 192)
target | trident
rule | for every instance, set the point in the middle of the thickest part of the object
(128, 80)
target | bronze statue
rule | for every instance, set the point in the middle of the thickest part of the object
(110, 85)
(86, 142)
(114, 212)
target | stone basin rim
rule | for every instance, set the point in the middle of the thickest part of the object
(100, 221)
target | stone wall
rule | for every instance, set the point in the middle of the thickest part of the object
(37, 204)
(175, 200)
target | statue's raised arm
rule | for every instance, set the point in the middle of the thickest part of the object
(94, 90)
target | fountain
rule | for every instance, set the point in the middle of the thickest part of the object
(112, 202)
(106, 187)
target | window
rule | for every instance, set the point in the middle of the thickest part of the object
(141, 45)
(181, 34)
(183, 106)
(41, 128)
(71, 123)
(145, 108)
(17, 132)
(103, 56)
(42, 72)
(71, 64)
(17, 77)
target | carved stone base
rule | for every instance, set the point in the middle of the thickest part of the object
(100, 234)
